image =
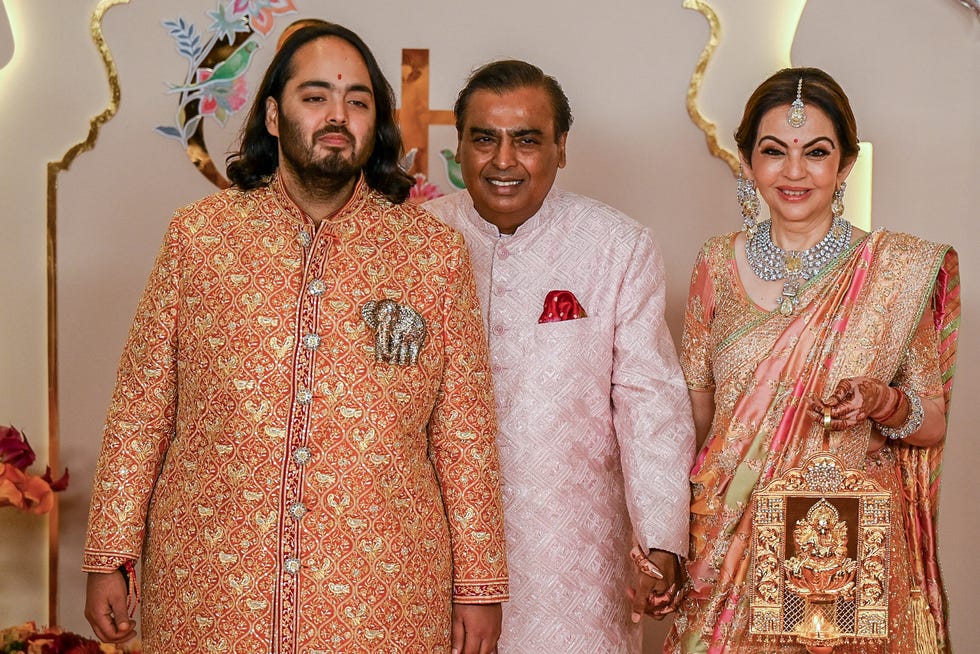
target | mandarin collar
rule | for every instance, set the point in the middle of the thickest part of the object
(528, 227)
(288, 205)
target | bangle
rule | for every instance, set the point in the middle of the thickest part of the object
(912, 423)
(894, 409)
(645, 565)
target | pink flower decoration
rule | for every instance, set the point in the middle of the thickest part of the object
(423, 191)
(262, 13)
(221, 100)
(208, 103)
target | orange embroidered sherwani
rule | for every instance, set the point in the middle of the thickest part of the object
(285, 491)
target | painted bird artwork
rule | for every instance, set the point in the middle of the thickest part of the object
(226, 71)
(453, 172)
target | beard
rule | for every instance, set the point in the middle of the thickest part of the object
(329, 173)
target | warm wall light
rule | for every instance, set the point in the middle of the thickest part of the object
(857, 198)
(789, 14)
(6, 37)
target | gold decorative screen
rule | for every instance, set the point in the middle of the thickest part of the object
(820, 556)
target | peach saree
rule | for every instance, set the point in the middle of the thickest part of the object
(887, 308)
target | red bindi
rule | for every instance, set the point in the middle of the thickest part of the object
(339, 76)
(796, 140)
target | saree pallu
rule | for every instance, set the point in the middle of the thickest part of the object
(887, 308)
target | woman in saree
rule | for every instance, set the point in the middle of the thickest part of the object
(800, 316)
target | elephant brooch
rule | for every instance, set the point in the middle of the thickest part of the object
(399, 331)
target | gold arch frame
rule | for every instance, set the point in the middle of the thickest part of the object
(54, 168)
(694, 88)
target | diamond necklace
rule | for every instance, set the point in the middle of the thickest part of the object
(770, 262)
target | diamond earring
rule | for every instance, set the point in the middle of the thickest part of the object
(748, 203)
(837, 204)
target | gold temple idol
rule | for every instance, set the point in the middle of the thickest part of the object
(820, 544)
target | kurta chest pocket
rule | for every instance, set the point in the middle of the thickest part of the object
(565, 342)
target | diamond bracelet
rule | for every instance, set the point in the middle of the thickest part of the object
(911, 424)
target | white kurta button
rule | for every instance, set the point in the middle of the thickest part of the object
(292, 565)
(302, 456)
(297, 510)
(503, 253)
(317, 287)
(311, 341)
(304, 396)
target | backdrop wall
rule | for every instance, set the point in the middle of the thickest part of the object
(910, 68)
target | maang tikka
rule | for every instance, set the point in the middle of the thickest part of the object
(797, 112)
(748, 202)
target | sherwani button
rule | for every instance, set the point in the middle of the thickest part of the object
(317, 287)
(302, 456)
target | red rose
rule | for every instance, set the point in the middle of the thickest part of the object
(14, 448)
(560, 306)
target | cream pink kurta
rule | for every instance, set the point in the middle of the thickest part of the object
(596, 432)
(287, 492)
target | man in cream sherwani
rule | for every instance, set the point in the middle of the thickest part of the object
(596, 437)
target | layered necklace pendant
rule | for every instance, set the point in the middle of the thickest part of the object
(770, 262)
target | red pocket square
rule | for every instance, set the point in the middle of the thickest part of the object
(561, 305)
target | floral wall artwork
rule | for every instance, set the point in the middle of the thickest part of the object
(215, 85)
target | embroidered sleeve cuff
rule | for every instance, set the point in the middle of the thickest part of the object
(481, 592)
(104, 561)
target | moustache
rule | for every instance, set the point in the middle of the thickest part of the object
(334, 129)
